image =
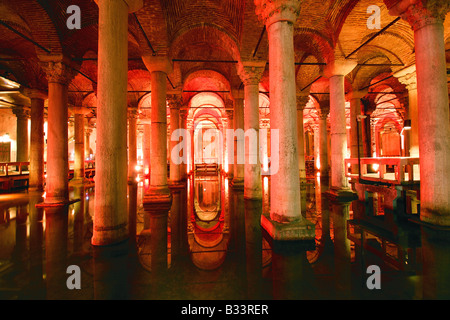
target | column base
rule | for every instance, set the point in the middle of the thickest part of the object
(293, 231)
(176, 185)
(341, 194)
(157, 201)
(56, 203)
(78, 181)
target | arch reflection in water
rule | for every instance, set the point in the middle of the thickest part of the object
(207, 229)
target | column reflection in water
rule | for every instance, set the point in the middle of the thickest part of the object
(36, 215)
(111, 272)
(56, 236)
(436, 263)
(175, 219)
(253, 245)
(132, 211)
(292, 275)
(78, 209)
(342, 251)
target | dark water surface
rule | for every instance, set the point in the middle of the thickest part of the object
(217, 250)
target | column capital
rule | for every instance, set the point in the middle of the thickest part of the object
(420, 13)
(339, 67)
(132, 113)
(408, 77)
(324, 109)
(34, 93)
(251, 72)
(357, 94)
(229, 114)
(21, 112)
(79, 110)
(270, 11)
(157, 63)
(58, 72)
(302, 101)
(174, 100)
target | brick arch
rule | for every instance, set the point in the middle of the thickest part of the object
(34, 14)
(213, 35)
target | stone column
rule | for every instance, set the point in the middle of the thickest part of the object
(250, 73)
(57, 182)
(147, 141)
(174, 101)
(286, 221)
(22, 114)
(87, 144)
(426, 19)
(336, 72)
(79, 167)
(110, 218)
(324, 110)
(184, 153)
(301, 104)
(132, 145)
(408, 77)
(239, 147)
(158, 199)
(36, 176)
(229, 154)
(355, 136)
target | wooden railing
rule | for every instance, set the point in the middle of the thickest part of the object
(397, 170)
(19, 168)
(13, 168)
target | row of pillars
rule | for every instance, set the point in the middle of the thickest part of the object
(285, 220)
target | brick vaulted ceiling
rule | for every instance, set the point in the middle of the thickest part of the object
(223, 31)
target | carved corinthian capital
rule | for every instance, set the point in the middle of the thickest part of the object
(270, 11)
(420, 13)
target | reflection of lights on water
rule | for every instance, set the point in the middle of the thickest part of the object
(137, 168)
(318, 163)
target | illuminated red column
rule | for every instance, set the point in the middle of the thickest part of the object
(158, 199)
(229, 154)
(174, 101)
(110, 218)
(59, 75)
(87, 144)
(286, 221)
(355, 136)
(250, 73)
(426, 19)
(22, 114)
(79, 168)
(184, 153)
(323, 112)
(36, 176)
(132, 145)
(301, 104)
(336, 72)
(239, 148)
